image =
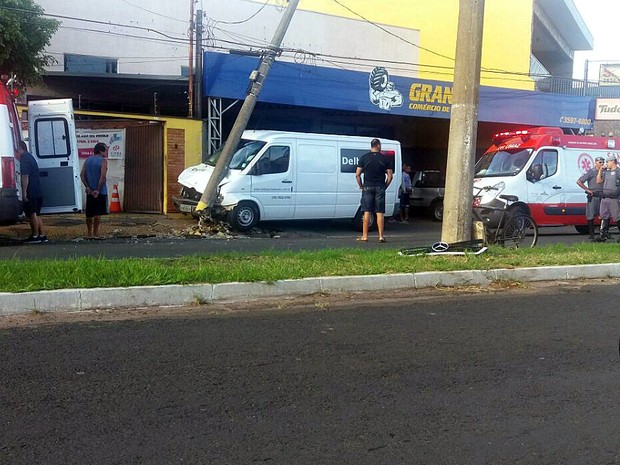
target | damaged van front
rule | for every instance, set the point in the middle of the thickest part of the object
(194, 179)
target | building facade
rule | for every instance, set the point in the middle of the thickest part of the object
(353, 67)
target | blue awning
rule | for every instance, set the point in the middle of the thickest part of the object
(379, 91)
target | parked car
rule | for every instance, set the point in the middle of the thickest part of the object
(427, 192)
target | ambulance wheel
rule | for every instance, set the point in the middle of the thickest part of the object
(582, 228)
(379, 78)
(243, 217)
(358, 221)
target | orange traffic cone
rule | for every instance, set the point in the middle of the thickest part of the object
(115, 203)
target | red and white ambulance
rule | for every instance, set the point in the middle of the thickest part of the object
(541, 167)
(51, 129)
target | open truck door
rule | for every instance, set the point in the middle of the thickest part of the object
(51, 129)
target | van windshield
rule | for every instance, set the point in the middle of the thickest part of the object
(502, 163)
(244, 154)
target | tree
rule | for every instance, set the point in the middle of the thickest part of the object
(24, 34)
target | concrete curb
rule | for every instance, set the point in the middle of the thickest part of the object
(144, 296)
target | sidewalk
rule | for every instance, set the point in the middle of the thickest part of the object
(66, 300)
(70, 226)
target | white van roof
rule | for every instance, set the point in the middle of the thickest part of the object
(269, 135)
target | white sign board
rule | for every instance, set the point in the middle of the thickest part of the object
(607, 109)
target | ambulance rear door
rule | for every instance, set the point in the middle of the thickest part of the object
(51, 129)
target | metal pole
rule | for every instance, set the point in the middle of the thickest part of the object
(585, 76)
(258, 78)
(190, 89)
(458, 200)
(199, 56)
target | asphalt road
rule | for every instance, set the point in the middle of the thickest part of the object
(526, 376)
(290, 236)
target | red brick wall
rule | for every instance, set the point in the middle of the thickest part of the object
(175, 164)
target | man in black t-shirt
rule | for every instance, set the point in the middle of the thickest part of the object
(378, 173)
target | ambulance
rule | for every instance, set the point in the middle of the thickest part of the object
(277, 175)
(51, 129)
(541, 167)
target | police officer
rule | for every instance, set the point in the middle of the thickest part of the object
(594, 192)
(610, 208)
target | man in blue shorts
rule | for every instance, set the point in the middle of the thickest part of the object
(378, 173)
(93, 177)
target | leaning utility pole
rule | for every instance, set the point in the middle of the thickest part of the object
(457, 217)
(257, 77)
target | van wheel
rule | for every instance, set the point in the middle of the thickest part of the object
(358, 221)
(582, 228)
(243, 217)
(437, 210)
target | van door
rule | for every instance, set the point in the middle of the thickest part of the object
(317, 180)
(547, 188)
(273, 182)
(51, 129)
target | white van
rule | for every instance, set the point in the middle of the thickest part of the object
(275, 175)
(552, 197)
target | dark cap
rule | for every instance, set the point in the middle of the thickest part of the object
(599, 159)
(375, 143)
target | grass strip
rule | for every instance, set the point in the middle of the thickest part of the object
(87, 272)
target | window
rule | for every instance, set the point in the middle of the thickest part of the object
(545, 165)
(87, 64)
(274, 160)
(52, 138)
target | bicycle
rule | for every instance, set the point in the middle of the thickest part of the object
(501, 224)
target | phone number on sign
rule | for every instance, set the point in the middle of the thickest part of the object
(574, 120)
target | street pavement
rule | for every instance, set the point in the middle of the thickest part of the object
(525, 377)
(284, 236)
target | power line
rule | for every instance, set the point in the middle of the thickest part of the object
(245, 20)
(154, 12)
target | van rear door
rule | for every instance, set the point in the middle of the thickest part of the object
(51, 129)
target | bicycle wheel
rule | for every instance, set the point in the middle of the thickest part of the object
(520, 231)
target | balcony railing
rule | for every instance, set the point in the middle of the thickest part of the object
(567, 86)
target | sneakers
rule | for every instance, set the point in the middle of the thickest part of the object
(35, 240)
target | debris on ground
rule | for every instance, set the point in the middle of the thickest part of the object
(72, 227)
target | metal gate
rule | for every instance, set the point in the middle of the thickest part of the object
(144, 168)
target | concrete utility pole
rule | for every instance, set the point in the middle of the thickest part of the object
(257, 77)
(457, 215)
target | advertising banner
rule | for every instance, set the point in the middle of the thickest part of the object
(381, 91)
(113, 138)
(609, 75)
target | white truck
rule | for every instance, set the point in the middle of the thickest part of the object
(276, 175)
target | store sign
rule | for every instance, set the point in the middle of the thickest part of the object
(607, 109)
(609, 75)
(113, 138)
